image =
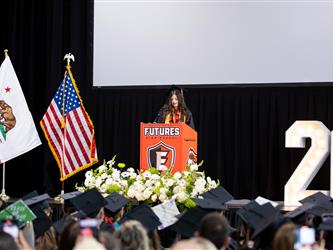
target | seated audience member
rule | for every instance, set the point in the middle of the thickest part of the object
(109, 241)
(196, 243)
(284, 238)
(149, 220)
(215, 228)
(86, 240)
(69, 235)
(7, 242)
(133, 236)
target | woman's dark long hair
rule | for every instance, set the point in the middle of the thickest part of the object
(181, 105)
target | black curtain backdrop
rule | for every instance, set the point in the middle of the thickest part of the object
(241, 128)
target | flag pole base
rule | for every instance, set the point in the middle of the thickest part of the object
(3, 195)
(59, 198)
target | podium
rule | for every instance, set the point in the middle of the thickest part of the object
(165, 146)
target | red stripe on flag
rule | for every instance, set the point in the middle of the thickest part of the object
(49, 136)
(55, 114)
(78, 120)
(55, 132)
(83, 147)
(71, 166)
(74, 152)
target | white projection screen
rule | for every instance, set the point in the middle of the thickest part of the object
(144, 43)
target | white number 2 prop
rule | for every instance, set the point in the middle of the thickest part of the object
(295, 189)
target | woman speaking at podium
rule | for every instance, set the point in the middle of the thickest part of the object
(175, 109)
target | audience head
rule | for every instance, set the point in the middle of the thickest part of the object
(215, 228)
(69, 235)
(197, 243)
(7, 242)
(133, 236)
(284, 238)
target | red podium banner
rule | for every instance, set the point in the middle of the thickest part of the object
(165, 146)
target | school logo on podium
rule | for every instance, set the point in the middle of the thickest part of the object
(161, 156)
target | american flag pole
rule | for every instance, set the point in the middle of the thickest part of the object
(67, 57)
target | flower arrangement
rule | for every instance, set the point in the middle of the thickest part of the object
(151, 186)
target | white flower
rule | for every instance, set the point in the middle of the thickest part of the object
(162, 197)
(104, 187)
(181, 197)
(211, 183)
(89, 182)
(194, 193)
(169, 182)
(177, 175)
(200, 182)
(116, 174)
(147, 193)
(88, 174)
(155, 176)
(132, 175)
(125, 174)
(199, 185)
(185, 173)
(111, 162)
(109, 181)
(154, 197)
(131, 192)
(139, 187)
(194, 167)
(182, 183)
(178, 189)
(102, 168)
(139, 196)
(104, 176)
(98, 182)
(157, 184)
(81, 189)
(163, 190)
(146, 174)
(130, 170)
(123, 183)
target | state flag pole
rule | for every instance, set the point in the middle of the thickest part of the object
(3, 195)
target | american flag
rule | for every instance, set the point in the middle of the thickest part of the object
(69, 130)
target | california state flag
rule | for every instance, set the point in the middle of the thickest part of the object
(18, 133)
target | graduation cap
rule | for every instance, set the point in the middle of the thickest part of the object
(189, 222)
(327, 222)
(219, 194)
(39, 200)
(70, 195)
(299, 210)
(115, 202)
(322, 208)
(316, 198)
(244, 213)
(42, 223)
(143, 214)
(60, 224)
(89, 202)
(209, 204)
(30, 195)
(262, 217)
